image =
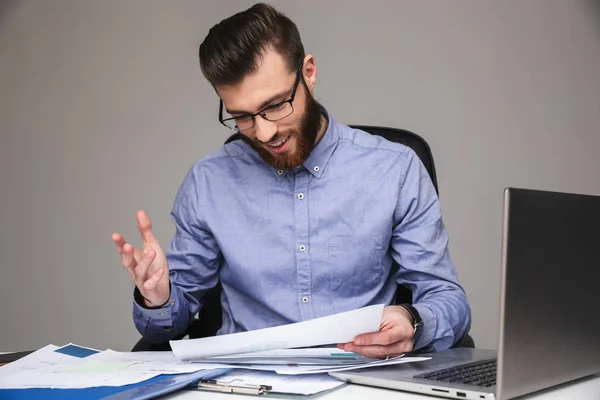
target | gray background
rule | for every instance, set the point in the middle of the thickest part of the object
(103, 109)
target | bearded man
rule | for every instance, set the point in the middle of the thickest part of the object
(303, 217)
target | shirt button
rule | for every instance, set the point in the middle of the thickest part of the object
(305, 299)
(300, 196)
(316, 168)
(172, 301)
(163, 313)
(302, 247)
(280, 171)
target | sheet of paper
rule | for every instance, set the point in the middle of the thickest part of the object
(73, 367)
(158, 362)
(302, 384)
(99, 366)
(337, 328)
(73, 380)
(304, 369)
(306, 356)
(326, 352)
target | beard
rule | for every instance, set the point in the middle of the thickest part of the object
(306, 135)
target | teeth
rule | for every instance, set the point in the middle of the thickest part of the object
(279, 143)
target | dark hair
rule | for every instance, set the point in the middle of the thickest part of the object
(233, 47)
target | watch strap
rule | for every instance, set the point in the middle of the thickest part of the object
(416, 317)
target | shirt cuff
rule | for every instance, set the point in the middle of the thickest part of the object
(162, 314)
(427, 334)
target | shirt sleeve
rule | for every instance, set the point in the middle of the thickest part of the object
(420, 247)
(194, 259)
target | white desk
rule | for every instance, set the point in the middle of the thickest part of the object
(588, 388)
(584, 389)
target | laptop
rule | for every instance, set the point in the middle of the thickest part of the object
(549, 330)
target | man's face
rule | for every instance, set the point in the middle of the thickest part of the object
(286, 143)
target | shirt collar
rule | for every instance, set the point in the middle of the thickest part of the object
(319, 157)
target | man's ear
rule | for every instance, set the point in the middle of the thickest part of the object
(309, 72)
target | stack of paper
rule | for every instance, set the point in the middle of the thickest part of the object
(73, 370)
(321, 356)
(283, 348)
(76, 367)
(303, 361)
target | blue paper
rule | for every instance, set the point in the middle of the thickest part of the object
(157, 386)
(76, 351)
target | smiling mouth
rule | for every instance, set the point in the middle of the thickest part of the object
(279, 143)
(279, 146)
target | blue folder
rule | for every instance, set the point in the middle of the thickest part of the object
(157, 386)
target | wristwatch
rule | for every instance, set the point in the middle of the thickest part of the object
(417, 321)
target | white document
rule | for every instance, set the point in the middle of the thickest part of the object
(153, 362)
(306, 356)
(337, 328)
(296, 369)
(304, 384)
(307, 369)
(47, 368)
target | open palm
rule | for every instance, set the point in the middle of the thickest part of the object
(148, 266)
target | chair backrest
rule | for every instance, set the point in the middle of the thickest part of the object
(210, 317)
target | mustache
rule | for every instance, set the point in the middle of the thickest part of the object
(278, 136)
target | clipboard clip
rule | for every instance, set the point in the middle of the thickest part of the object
(233, 386)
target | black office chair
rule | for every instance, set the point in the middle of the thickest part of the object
(210, 315)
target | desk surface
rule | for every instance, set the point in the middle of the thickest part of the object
(583, 389)
(588, 388)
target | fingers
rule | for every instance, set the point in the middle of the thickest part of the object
(395, 334)
(119, 241)
(127, 259)
(145, 227)
(386, 343)
(141, 270)
(379, 351)
(151, 283)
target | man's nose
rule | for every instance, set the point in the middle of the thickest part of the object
(265, 130)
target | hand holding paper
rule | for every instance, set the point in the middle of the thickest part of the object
(395, 337)
(333, 329)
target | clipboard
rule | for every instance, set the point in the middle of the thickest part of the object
(237, 386)
(261, 383)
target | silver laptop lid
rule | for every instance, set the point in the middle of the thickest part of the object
(550, 330)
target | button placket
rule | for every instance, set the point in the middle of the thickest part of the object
(302, 253)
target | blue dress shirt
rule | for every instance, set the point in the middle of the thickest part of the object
(294, 245)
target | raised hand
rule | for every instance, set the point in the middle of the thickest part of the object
(147, 267)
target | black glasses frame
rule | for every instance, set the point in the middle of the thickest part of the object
(262, 112)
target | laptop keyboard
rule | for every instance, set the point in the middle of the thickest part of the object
(481, 373)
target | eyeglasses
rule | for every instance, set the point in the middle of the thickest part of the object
(271, 113)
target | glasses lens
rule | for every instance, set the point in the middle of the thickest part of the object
(278, 111)
(230, 124)
(241, 123)
(244, 123)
